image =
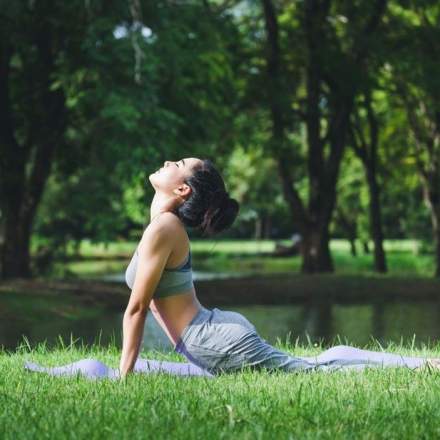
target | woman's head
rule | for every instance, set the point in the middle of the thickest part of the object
(207, 205)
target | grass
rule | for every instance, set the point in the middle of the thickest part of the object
(248, 246)
(403, 256)
(377, 403)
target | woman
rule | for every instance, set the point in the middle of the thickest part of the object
(191, 193)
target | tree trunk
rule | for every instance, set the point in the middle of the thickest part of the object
(26, 156)
(366, 150)
(432, 200)
(431, 195)
(437, 248)
(324, 151)
(315, 249)
(14, 258)
(2, 238)
(366, 247)
(258, 227)
(268, 226)
(315, 252)
(353, 249)
(18, 214)
(15, 250)
(350, 228)
(376, 221)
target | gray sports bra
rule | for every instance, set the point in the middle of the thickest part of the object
(174, 281)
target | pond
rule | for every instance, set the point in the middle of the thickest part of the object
(47, 318)
(196, 275)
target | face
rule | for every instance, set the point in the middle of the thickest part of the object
(170, 177)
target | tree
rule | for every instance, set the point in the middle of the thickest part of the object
(365, 145)
(329, 79)
(416, 74)
(112, 96)
(349, 216)
(39, 41)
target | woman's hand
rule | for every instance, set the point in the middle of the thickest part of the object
(123, 377)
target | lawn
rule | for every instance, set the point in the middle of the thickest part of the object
(404, 258)
(377, 403)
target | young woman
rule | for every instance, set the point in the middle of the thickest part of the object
(191, 193)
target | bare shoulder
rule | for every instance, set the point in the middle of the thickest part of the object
(165, 228)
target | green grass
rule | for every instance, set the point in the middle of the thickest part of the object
(249, 246)
(403, 256)
(378, 403)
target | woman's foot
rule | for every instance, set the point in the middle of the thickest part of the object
(431, 364)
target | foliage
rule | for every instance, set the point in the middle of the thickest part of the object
(194, 79)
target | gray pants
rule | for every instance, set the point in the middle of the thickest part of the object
(220, 341)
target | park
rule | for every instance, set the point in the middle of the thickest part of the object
(323, 119)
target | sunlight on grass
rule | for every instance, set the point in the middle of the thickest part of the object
(377, 403)
(404, 259)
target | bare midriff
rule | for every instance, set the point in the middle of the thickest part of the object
(174, 313)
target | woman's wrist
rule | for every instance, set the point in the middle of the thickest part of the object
(125, 366)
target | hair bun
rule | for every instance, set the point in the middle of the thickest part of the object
(209, 207)
(222, 213)
(225, 199)
(220, 198)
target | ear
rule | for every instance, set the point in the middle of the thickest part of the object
(183, 190)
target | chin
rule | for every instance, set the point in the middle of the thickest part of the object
(151, 178)
(156, 181)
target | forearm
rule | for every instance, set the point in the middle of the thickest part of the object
(133, 328)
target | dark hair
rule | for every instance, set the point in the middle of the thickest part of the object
(209, 207)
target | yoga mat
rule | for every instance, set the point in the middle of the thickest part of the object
(94, 369)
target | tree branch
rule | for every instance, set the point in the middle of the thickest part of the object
(361, 46)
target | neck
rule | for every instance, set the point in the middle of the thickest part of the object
(156, 204)
(159, 204)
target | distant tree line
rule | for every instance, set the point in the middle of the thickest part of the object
(323, 115)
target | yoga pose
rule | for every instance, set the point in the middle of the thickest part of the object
(191, 193)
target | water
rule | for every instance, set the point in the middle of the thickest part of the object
(196, 275)
(44, 317)
(352, 323)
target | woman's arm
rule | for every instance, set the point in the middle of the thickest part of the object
(154, 249)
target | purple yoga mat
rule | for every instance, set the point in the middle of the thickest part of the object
(94, 369)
